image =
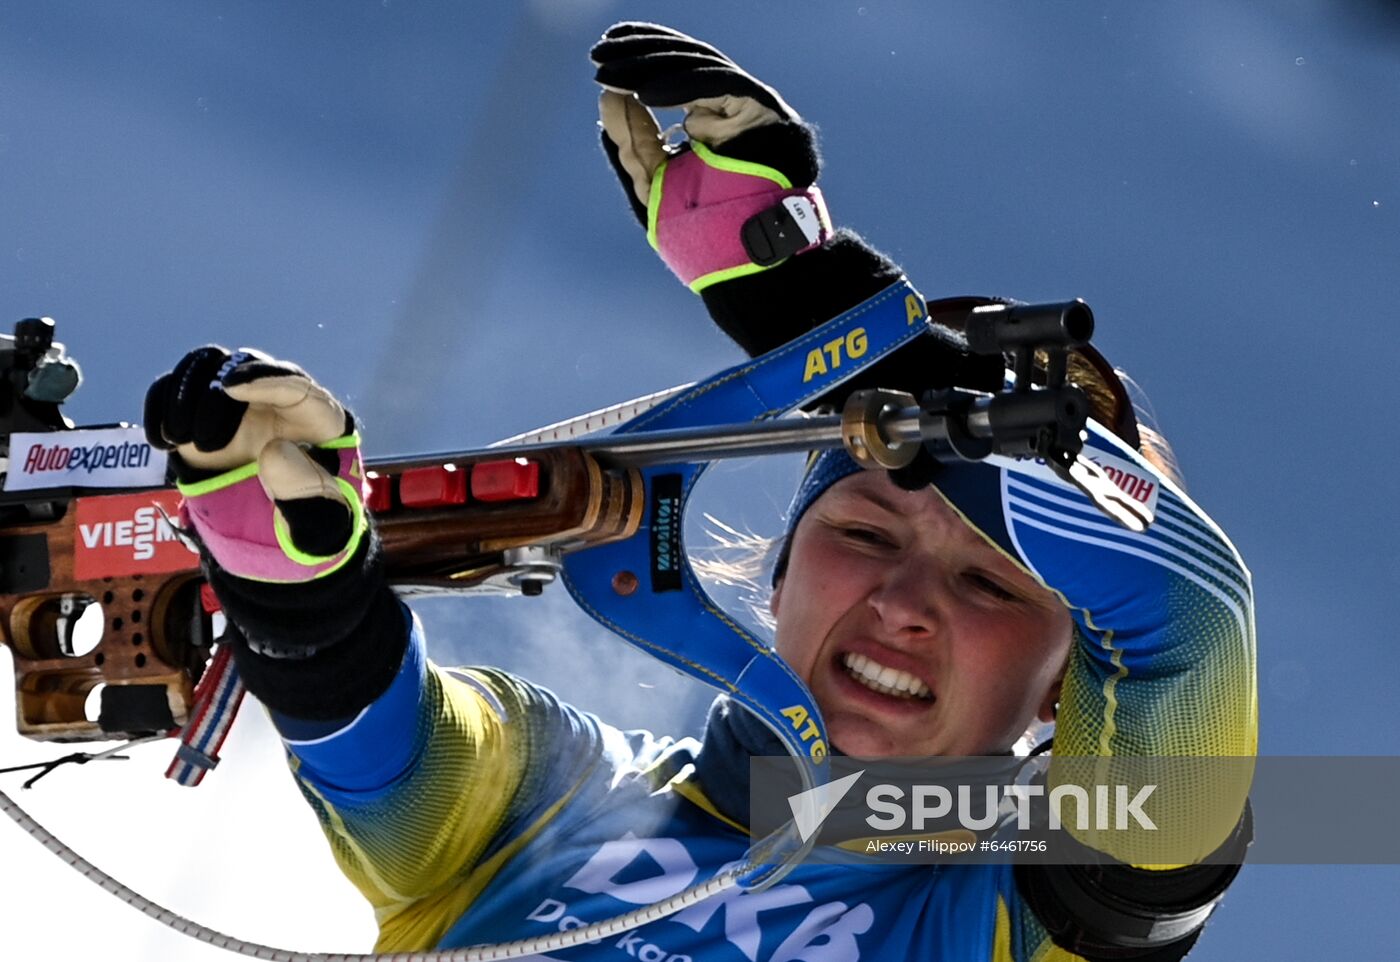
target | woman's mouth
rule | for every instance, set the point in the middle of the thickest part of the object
(887, 681)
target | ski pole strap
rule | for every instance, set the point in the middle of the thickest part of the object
(671, 616)
(216, 701)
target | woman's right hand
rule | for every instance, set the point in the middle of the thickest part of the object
(267, 459)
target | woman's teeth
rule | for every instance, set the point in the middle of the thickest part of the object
(887, 681)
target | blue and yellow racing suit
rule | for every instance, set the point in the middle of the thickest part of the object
(470, 806)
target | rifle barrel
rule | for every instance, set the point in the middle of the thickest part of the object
(712, 443)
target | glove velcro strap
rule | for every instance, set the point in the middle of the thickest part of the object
(248, 537)
(713, 218)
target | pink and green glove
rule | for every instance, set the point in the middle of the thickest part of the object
(268, 463)
(737, 197)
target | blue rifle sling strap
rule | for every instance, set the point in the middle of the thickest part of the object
(672, 617)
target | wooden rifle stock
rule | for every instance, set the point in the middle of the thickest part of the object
(157, 624)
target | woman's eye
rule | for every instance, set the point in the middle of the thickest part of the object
(866, 536)
(990, 586)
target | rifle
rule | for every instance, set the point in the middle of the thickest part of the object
(498, 519)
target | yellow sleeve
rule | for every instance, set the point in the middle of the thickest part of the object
(485, 768)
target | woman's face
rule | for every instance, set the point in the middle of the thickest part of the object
(916, 636)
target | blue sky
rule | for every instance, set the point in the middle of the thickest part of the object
(408, 199)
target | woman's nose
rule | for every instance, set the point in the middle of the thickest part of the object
(906, 600)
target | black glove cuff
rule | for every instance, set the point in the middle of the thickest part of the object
(321, 649)
(288, 621)
(764, 311)
(335, 682)
(1107, 910)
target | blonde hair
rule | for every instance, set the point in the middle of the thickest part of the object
(741, 561)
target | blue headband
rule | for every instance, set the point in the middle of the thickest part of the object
(830, 466)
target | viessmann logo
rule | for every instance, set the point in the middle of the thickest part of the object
(127, 534)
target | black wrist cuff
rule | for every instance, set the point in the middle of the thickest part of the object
(1107, 910)
(763, 311)
(337, 681)
(321, 649)
(297, 619)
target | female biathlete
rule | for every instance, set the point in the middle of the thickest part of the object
(944, 618)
